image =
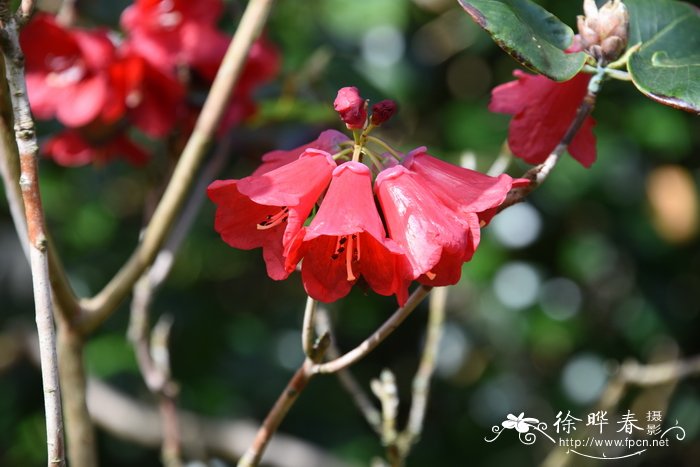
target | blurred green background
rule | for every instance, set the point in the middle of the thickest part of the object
(599, 266)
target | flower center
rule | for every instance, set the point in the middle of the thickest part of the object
(350, 245)
(273, 220)
(168, 17)
(65, 71)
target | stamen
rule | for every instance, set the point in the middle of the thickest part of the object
(348, 260)
(482, 223)
(274, 220)
(356, 253)
(431, 275)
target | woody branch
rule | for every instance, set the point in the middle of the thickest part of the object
(25, 137)
(99, 307)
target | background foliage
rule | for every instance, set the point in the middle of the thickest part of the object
(601, 265)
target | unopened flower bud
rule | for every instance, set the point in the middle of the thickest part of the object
(604, 31)
(383, 111)
(351, 107)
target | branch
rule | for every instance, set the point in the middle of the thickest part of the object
(99, 307)
(421, 381)
(80, 432)
(202, 437)
(285, 401)
(25, 137)
(66, 303)
(629, 374)
(307, 329)
(25, 12)
(346, 378)
(153, 360)
(399, 444)
(379, 335)
(538, 174)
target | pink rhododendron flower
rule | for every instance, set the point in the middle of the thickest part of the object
(346, 241)
(267, 210)
(175, 33)
(66, 71)
(543, 110)
(328, 141)
(152, 100)
(71, 148)
(460, 189)
(436, 239)
(351, 107)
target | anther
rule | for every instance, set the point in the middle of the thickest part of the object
(272, 220)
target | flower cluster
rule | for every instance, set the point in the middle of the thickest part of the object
(408, 218)
(98, 84)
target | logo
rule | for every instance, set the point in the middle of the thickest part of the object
(612, 439)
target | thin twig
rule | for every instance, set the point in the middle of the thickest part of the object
(68, 13)
(274, 418)
(133, 420)
(154, 363)
(629, 374)
(25, 137)
(99, 307)
(25, 11)
(385, 389)
(538, 174)
(502, 162)
(377, 337)
(66, 302)
(307, 330)
(421, 381)
(10, 172)
(346, 378)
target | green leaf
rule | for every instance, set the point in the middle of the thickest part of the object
(648, 17)
(666, 68)
(530, 34)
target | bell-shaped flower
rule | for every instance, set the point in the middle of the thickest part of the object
(267, 210)
(76, 147)
(346, 241)
(435, 238)
(175, 33)
(328, 140)
(66, 71)
(151, 99)
(543, 110)
(462, 190)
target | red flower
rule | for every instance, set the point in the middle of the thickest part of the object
(346, 240)
(543, 110)
(173, 33)
(460, 189)
(351, 107)
(436, 239)
(71, 148)
(328, 141)
(153, 100)
(267, 210)
(262, 65)
(66, 71)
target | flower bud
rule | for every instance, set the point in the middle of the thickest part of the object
(351, 107)
(604, 31)
(383, 111)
